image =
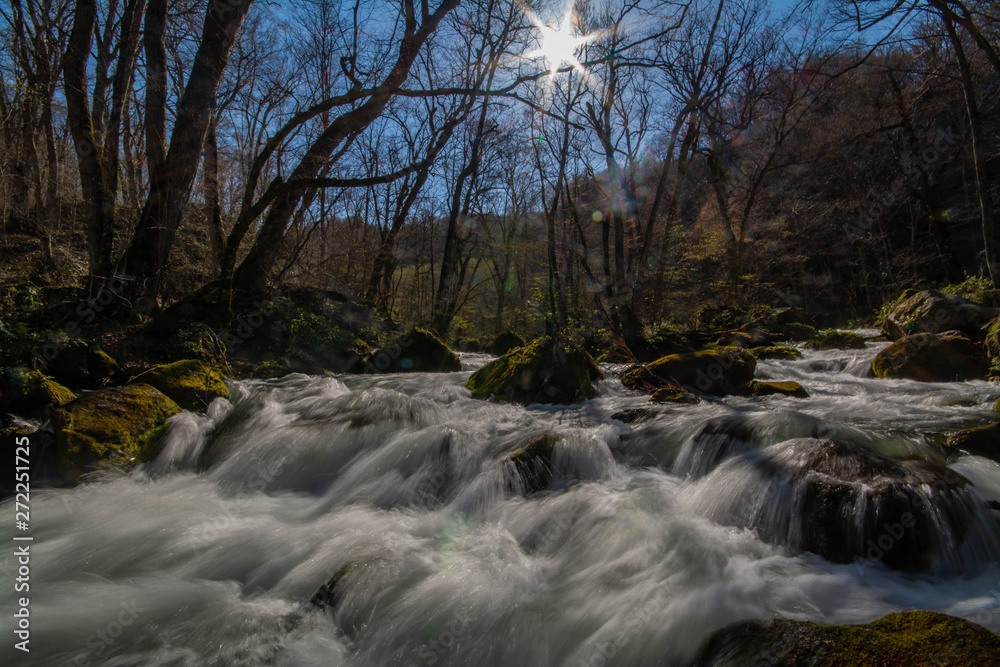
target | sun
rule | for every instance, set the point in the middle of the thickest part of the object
(559, 46)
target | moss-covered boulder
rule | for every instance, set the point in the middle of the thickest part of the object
(28, 393)
(190, 383)
(930, 311)
(270, 370)
(416, 351)
(120, 426)
(832, 339)
(547, 370)
(505, 342)
(902, 639)
(982, 441)
(717, 372)
(669, 395)
(775, 352)
(931, 357)
(81, 364)
(793, 389)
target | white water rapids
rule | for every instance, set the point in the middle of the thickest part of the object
(396, 484)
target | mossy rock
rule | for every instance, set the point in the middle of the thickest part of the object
(120, 426)
(903, 639)
(931, 357)
(416, 351)
(996, 406)
(982, 441)
(775, 352)
(744, 339)
(506, 342)
(667, 395)
(28, 393)
(81, 364)
(190, 383)
(792, 389)
(546, 370)
(930, 311)
(795, 331)
(270, 370)
(717, 372)
(836, 340)
(780, 317)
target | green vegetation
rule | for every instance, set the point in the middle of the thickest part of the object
(189, 382)
(546, 370)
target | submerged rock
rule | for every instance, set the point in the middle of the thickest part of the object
(120, 426)
(717, 372)
(933, 312)
(532, 463)
(190, 383)
(28, 393)
(903, 639)
(845, 502)
(836, 340)
(416, 351)
(545, 371)
(505, 342)
(931, 357)
(775, 352)
(793, 389)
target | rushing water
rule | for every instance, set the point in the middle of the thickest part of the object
(399, 487)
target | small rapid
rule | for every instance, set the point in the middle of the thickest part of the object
(393, 520)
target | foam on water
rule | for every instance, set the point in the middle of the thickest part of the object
(401, 490)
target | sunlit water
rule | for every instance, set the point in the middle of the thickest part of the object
(211, 555)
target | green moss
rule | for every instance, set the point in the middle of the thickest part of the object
(190, 382)
(29, 393)
(717, 372)
(831, 339)
(775, 352)
(270, 370)
(544, 371)
(117, 425)
(793, 389)
(898, 640)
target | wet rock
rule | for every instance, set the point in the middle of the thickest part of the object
(635, 415)
(119, 426)
(28, 393)
(416, 351)
(545, 371)
(669, 395)
(981, 441)
(836, 340)
(640, 378)
(903, 639)
(775, 352)
(933, 312)
(718, 372)
(81, 364)
(190, 383)
(745, 339)
(532, 463)
(350, 594)
(846, 502)
(931, 357)
(505, 342)
(793, 389)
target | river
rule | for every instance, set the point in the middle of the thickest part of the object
(398, 487)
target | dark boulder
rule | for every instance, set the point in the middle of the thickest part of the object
(775, 352)
(81, 364)
(717, 372)
(931, 357)
(981, 441)
(505, 342)
(933, 312)
(792, 389)
(416, 351)
(28, 393)
(836, 340)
